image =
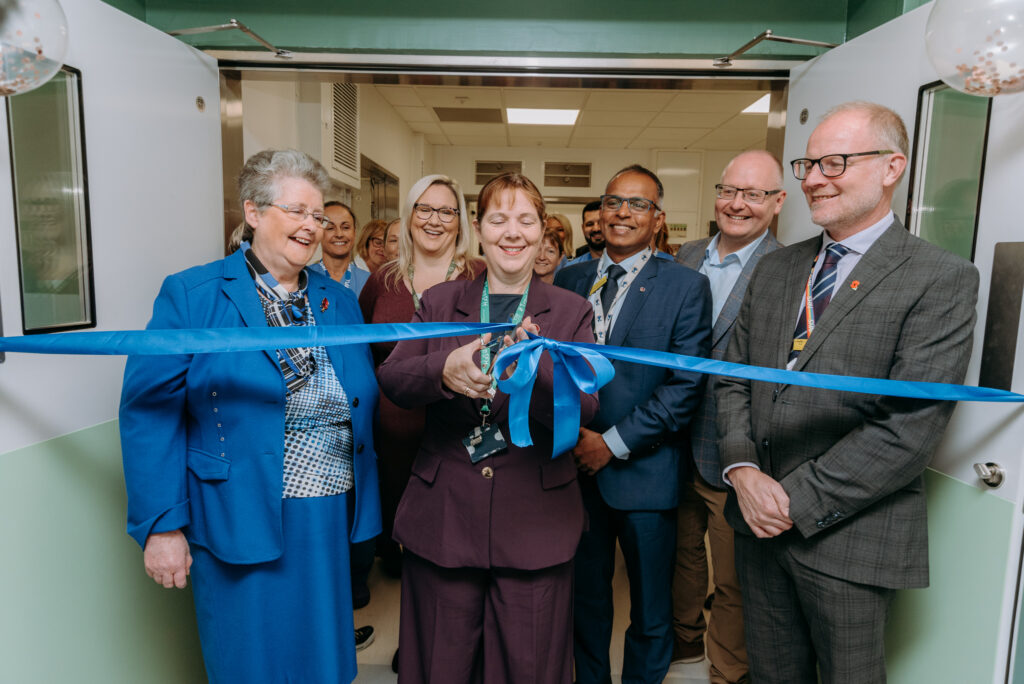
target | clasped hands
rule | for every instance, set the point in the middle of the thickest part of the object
(763, 501)
(462, 373)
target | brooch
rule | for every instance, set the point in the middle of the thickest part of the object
(324, 304)
(853, 286)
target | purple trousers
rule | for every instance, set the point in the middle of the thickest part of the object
(474, 625)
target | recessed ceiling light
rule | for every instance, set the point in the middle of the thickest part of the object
(759, 107)
(547, 117)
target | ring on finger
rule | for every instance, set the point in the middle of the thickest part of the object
(466, 390)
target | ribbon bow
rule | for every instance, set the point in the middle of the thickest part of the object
(575, 369)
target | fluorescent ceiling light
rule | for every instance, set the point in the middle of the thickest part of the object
(759, 107)
(548, 117)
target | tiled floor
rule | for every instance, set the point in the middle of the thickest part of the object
(382, 613)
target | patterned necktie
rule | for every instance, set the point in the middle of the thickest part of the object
(821, 293)
(611, 287)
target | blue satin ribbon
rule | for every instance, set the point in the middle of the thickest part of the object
(566, 397)
(575, 369)
(212, 340)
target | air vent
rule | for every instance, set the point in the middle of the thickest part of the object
(468, 115)
(566, 174)
(486, 170)
(340, 144)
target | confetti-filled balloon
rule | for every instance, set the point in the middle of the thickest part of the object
(977, 46)
(33, 40)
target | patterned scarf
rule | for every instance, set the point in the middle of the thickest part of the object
(282, 308)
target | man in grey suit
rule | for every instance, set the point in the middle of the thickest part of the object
(827, 499)
(749, 196)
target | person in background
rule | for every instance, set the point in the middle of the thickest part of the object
(336, 248)
(391, 239)
(749, 195)
(594, 247)
(434, 245)
(630, 455)
(662, 248)
(489, 528)
(252, 471)
(370, 244)
(561, 224)
(827, 497)
(549, 256)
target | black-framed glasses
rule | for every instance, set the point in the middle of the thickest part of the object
(750, 195)
(638, 205)
(425, 211)
(299, 213)
(831, 165)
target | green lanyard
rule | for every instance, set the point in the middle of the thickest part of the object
(485, 317)
(416, 297)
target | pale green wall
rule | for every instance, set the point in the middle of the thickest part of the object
(78, 606)
(945, 634)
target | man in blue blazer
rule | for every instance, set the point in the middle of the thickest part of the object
(630, 454)
(749, 196)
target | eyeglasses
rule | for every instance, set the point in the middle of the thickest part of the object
(831, 165)
(425, 211)
(376, 242)
(636, 204)
(750, 195)
(299, 213)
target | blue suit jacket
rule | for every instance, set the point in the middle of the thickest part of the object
(703, 428)
(667, 308)
(202, 435)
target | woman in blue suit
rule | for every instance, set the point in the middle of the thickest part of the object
(252, 471)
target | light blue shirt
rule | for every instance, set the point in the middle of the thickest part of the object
(582, 258)
(723, 273)
(611, 435)
(354, 279)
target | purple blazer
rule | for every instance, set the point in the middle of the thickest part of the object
(517, 509)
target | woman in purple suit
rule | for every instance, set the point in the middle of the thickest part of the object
(489, 529)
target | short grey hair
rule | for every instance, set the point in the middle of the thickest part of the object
(258, 181)
(886, 124)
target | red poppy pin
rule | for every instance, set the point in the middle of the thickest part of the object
(324, 304)
(855, 284)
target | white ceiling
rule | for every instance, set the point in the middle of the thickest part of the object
(609, 118)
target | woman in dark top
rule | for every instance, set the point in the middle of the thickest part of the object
(435, 245)
(489, 534)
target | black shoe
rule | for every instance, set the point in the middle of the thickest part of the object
(394, 662)
(364, 637)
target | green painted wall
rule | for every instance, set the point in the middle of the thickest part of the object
(78, 606)
(946, 633)
(527, 27)
(864, 15)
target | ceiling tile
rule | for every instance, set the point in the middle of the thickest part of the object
(539, 131)
(599, 143)
(631, 100)
(474, 129)
(426, 127)
(437, 140)
(411, 114)
(532, 141)
(479, 140)
(609, 131)
(544, 98)
(677, 137)
(747, 122)
(597, 117)
(400, 96)
(442, 96)
(732, 102)
(727, 140)
(690, 119)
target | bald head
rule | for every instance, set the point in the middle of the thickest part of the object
(741, 220)
(764, 161)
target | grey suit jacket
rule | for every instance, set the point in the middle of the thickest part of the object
(851, 463)
(703, 429)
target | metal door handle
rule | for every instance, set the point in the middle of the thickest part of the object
(992, 474)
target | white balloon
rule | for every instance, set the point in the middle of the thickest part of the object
(33, 42)
(977, 46)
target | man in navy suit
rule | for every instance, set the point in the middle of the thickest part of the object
(749, 196)
(630, 455)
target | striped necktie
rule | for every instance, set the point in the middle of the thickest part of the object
(821, 293)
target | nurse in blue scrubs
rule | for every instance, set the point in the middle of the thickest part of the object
(252, 471)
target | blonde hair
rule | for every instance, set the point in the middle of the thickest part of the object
(567, 226)
(463, 258)
(372, 227)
